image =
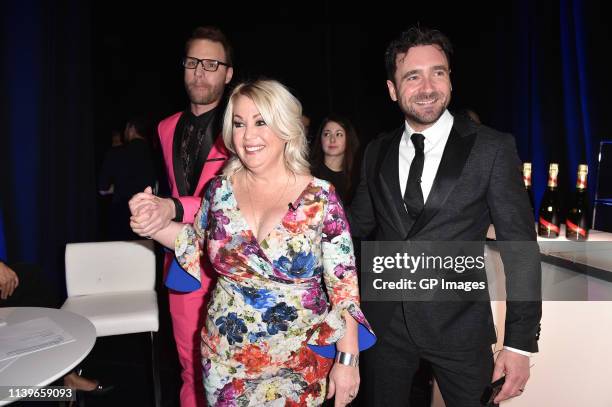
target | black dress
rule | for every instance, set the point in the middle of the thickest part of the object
(337, 178)
(130, 168)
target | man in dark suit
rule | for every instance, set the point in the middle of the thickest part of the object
(439, 178)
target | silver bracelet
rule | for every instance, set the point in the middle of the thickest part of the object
(347, 359)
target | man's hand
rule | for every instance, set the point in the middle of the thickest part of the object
(150, 213)
(8, 281)
(141, 200)
(516, 368)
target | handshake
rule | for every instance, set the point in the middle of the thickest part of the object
(150, 213)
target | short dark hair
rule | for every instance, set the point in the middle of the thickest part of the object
(213, 34)
(413, 37)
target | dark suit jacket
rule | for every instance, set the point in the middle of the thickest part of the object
(478, 183)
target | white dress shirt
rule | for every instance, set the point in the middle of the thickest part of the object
(436, 137)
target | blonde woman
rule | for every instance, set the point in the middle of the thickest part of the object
(278, 239)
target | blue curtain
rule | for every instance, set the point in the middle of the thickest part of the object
(22, 86)
(542, 86)
(576, 106)
(48, 183)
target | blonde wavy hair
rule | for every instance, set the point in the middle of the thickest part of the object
(282, 112)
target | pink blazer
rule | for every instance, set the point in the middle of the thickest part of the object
(216, 159)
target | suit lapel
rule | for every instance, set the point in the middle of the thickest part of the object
(456, 152)
(214, 162)
(388, 175)
(177, 161)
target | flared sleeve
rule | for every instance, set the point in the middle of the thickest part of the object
(340, 278)
(185, 271)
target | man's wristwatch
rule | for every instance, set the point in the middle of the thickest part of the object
(347, 359)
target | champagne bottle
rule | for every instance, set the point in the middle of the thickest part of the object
(527, 182)
(577, 219)
(548, 220)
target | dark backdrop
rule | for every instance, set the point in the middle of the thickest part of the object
(71, 70)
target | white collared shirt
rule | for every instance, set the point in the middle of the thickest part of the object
(436, 137)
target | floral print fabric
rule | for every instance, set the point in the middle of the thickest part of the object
(272, 298)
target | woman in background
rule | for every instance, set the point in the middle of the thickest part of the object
(334, 154)
(126, 172)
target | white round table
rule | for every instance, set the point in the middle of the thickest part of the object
(45, 366)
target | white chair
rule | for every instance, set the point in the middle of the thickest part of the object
(113, 285)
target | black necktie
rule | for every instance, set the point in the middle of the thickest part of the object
(413, 196)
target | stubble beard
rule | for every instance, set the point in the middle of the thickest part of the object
(425, 118)
(203, 95)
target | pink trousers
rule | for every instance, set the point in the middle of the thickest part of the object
(188, 312)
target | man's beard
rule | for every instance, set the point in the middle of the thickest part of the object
(425, 118)
(203, 95)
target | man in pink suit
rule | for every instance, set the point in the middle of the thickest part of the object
(193, 153)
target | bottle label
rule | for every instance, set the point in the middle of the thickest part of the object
(553, 172)
(581, 177)
(575, 228)
(527, 174)
(527, 179)
(550, 226)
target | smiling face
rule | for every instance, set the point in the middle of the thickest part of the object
(421, 85)
(333, 139)
(257, 146)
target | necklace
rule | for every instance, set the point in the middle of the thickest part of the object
(251, 200)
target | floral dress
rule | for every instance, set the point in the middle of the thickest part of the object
(273, 298)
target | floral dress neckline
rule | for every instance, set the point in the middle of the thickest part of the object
(262, 245)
